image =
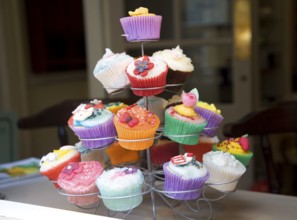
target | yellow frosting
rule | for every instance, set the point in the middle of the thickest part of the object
(141, 11)
(210, 107)
(232, 146)
(185, 111)
(59, 154)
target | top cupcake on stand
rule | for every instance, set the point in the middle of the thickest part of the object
(141, 25)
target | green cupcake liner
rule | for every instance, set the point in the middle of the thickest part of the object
(244, 159)
(181, 131)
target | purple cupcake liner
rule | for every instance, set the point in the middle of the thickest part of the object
(179, 187)
(213, 120)
(142, 27)
(98, 136)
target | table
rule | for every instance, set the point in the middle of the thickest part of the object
(41, 193)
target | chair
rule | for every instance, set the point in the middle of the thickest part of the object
(279, 118)
(58, 115)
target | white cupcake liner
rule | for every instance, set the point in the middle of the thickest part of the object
(222, 179)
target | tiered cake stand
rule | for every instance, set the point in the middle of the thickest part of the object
(154, 179)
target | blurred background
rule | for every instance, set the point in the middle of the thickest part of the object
(242, 50)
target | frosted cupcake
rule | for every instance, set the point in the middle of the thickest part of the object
(87, 154)
(204, 145)
(93, 124)
(155, 105)
(212, 115)
(119, 155)
(53, 163)
(136, 127)
(141, 25)
(114, 107)
(180, 67)
(182, 123)
(238, 147)
(225, 170)
(79, 179)
(121, 188)
(110, 71)
(183, 173)
(147, 76)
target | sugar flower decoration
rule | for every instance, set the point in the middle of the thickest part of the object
(71, 169)
(143, 66)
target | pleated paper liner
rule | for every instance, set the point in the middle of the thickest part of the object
(182, 132)
(177, 79)
(148, 86)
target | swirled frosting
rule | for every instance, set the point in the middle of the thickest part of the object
(224, 160)
(141, 11)
(187, 166)
(119, 178)
(175, 59)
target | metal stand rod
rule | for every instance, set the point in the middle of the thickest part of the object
(151, 178)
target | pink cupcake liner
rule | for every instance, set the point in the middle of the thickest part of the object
(178, 186)
(140, 28)
(213, 120)
(88, 135)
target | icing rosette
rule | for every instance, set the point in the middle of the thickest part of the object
(147, 73)
(93, 124)
(52, 164)
(212, 115)
(110, 70)
(123, 182)
(238, 147)
(136, 123)
(182, 123)
(184, 173)
(180, 66)
(225, 170)
(79, 179)
(141, 25)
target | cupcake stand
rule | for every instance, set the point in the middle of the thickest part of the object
(200, 208)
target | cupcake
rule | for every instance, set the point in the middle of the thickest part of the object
(93, 124)
(136, 127)
(180, 67)
(163, 151)
(79, 182)
(53, 163)
(182, 123)
(110, 71)
(238, 147)
(225, 170)
(155, 105)
(114, 107)
(141, 25)
(204, 145)
(119, 155)
(87, 154)
(147, 76)
(121, 188)
(183, 173)
(212, 115)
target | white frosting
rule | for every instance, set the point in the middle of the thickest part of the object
(188, 171)
(224, 160)
(117, 179)
(208, 140)
(110, 70)
(159, 67)
(175, 59)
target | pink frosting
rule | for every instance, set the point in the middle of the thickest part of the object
(194, 120)
(189, 99)
(80, 175)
